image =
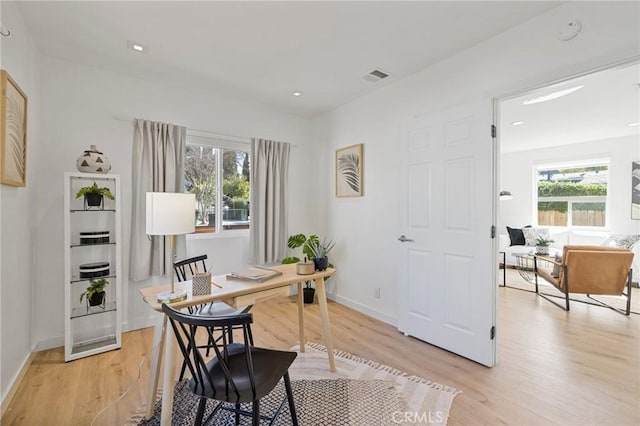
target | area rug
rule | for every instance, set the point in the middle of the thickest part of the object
(359, 393)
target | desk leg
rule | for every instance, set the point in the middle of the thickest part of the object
(168, 381)
(301, 316)
(156, 359)
(326, 326)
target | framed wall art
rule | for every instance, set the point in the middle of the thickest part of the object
(349, 171)
(13, 133)
(635, 190)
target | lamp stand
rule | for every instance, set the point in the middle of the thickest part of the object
(173, 295)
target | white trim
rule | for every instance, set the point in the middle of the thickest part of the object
(364, 309)
(6, 399)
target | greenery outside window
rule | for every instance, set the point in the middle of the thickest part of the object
(221, 204)
(572, 196)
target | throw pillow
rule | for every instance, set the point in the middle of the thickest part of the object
(621, 241)
(516, 236)
(531, 235)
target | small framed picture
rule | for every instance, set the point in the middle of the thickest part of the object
(13, 133)
(349, 171)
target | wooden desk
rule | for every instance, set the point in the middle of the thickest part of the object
(234, 293)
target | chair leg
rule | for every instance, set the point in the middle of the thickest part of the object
(201, 406)
(292, 407)
(237, 413)
(535, 271)
(255, 418)
(629, 293)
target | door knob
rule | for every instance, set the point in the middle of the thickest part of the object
(404, 239)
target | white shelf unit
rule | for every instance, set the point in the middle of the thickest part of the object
(91, 330)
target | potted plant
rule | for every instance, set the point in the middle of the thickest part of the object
(320, 250)
(94, 195)
(542, 245)
(95, 292)
(300, 240)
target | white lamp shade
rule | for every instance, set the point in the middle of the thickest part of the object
(170, 213)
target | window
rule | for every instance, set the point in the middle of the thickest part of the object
(573, 196)
(203, 167)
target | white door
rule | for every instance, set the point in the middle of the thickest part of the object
(448, 296)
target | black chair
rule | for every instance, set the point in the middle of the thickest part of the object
(185, 269)
(239, 372)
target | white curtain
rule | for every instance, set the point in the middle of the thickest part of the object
(158, 166)
(268, 208)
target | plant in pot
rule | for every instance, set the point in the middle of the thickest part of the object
(300, 240)
(320, 250)
(95, 292)
(94, 195)
(542, 245)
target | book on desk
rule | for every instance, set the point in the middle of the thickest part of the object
(256, 274)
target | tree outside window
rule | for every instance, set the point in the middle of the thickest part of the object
(201, 169)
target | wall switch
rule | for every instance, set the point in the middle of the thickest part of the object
(376, 293)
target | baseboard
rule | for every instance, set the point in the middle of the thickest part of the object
(50, 343)
(364, 309)
(16, 382)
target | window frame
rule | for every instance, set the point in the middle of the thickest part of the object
(537, 168)
(220, 143)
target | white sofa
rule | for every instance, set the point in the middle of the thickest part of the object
(563, 237)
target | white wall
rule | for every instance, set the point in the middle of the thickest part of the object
(79, 105)
(18, 210)
(366, 229)
(517, 174)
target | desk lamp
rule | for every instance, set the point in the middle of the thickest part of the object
(171, 214)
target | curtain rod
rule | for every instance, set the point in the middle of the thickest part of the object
(204, 134)
(201, 133)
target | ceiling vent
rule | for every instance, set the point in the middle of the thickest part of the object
(375, 76)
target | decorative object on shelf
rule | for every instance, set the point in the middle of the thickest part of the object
(97, 237)
(349, 171)
(320, 251)
(13, 132)
(201, 283)
(93, 161)
(95, 293)
(94, 269)
(94, 196)
(170, 213)
(635, 190)
(542, 245)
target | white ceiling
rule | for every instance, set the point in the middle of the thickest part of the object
(602, 109)
(263, 51)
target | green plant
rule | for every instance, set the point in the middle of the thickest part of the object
(543, 242)
(95, 286)
(320, 249)
(95, 189)
(297, 241)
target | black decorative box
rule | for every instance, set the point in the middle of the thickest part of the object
(98, 237)
(93, 270)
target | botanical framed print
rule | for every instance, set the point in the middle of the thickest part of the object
(635, 190)
(13, 133)
(349, 171)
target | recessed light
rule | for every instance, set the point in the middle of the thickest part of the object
(634, 124)
(297, 93)
(517, 123)
(551, 96)
(136, 46)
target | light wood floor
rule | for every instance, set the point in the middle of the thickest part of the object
(555, 367)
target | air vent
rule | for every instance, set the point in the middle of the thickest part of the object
(375, 76)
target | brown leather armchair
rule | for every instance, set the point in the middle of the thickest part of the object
(589, 270)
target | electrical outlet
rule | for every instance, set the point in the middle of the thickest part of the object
(376, 292)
